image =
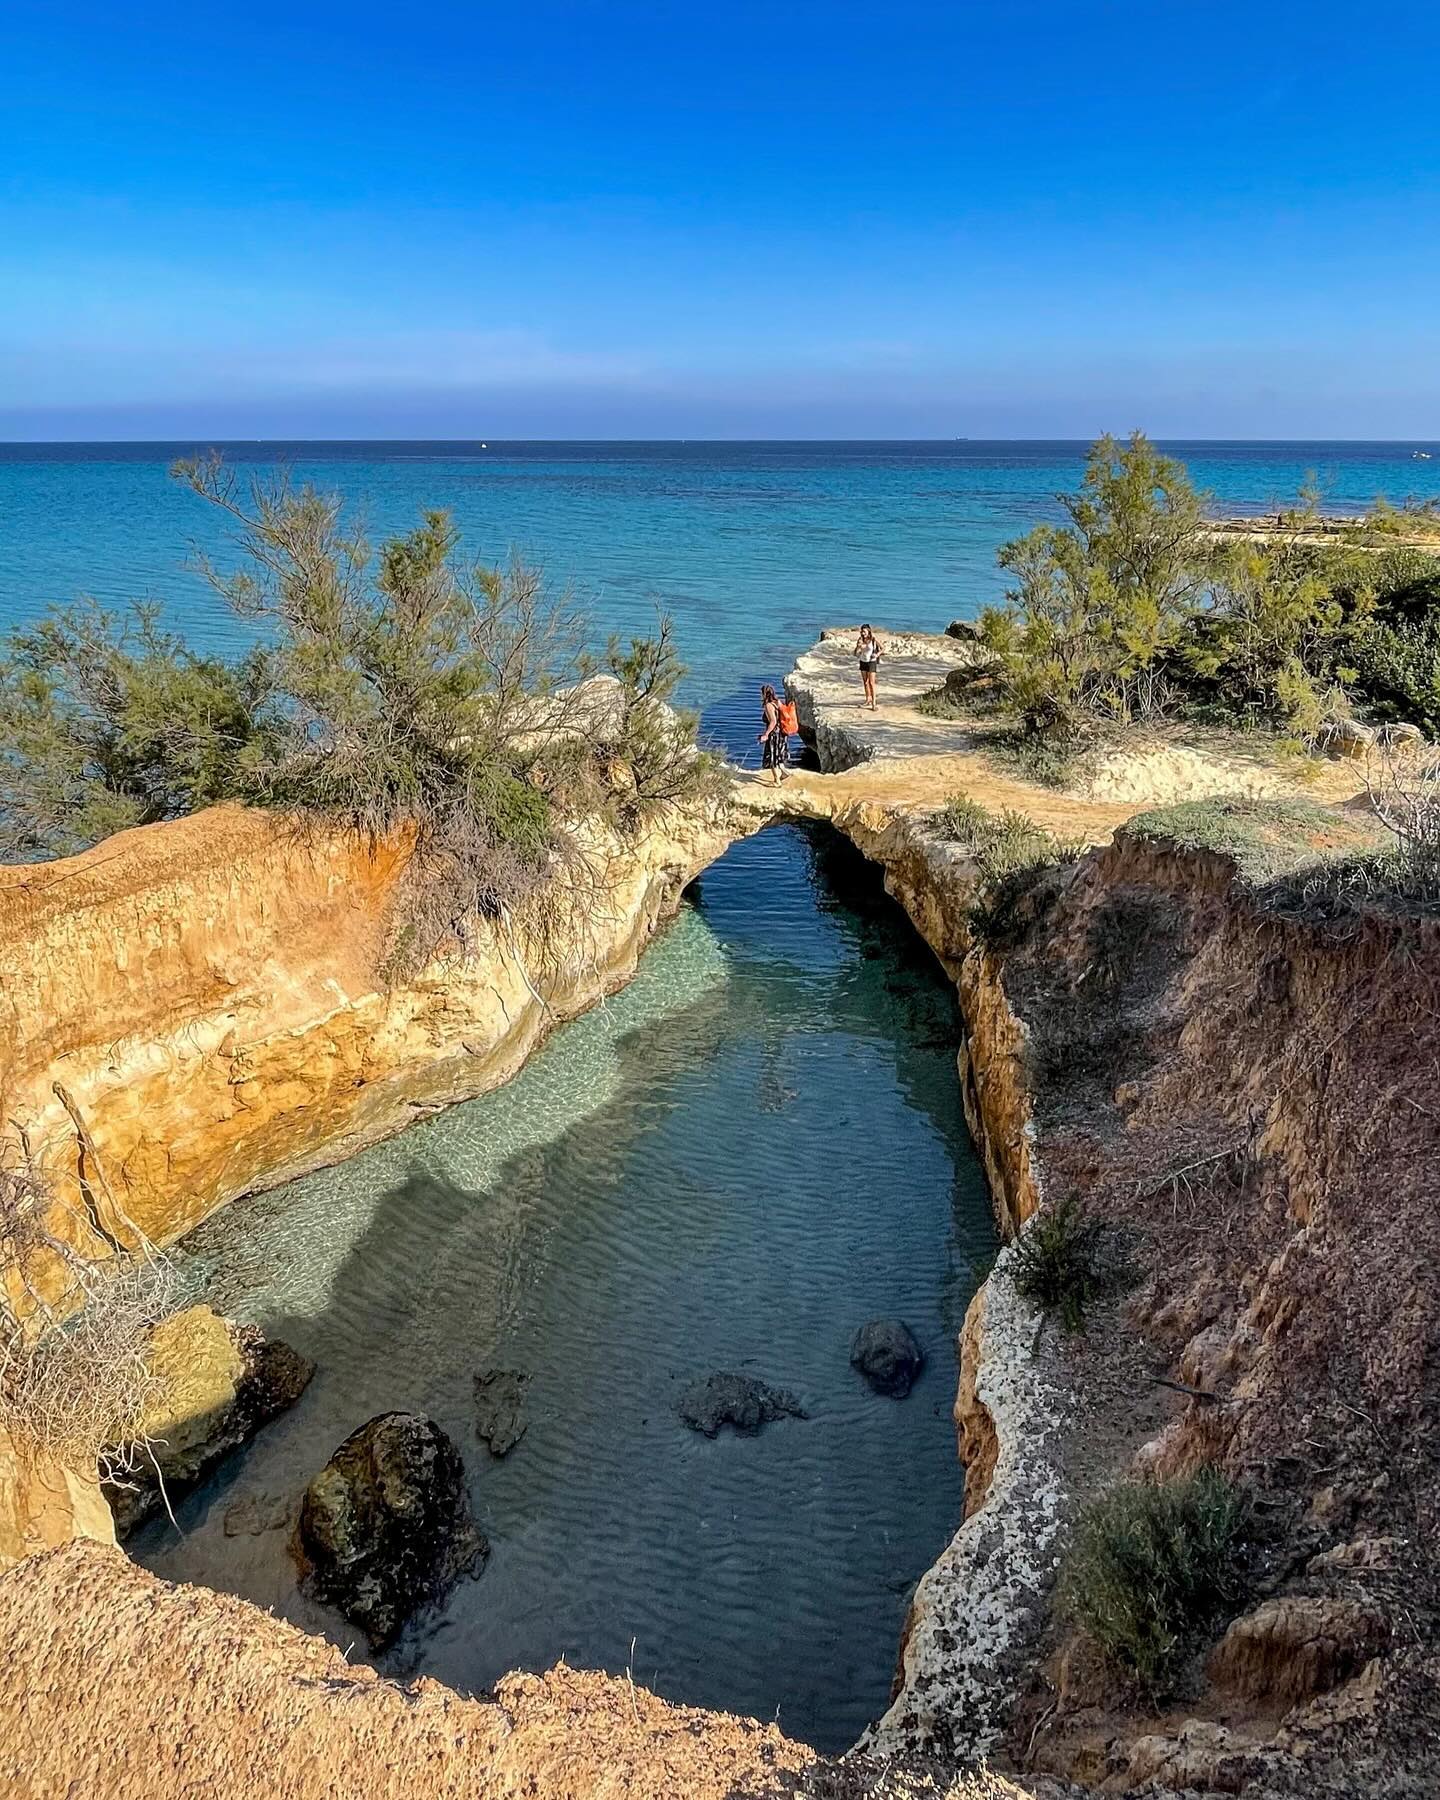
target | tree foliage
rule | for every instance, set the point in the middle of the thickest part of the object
(1134, 610)
(107, 721)
(392, 689)
(1099, 602)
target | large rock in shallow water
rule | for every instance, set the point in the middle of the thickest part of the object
(886, 1354)
(385, 1527)
(738, 1400)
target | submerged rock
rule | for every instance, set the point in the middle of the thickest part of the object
(500, 1419)
(385, 1527)
(887, 1355)
(218, 1383)
(253, 1514)
(738, 1400)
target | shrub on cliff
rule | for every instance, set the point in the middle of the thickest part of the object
(1099, 601)
(1010, 851)
(1065, 1260)
(107, 721)
(1132, 611)
(393, 688)
(1151, 1566)
(1393, 643)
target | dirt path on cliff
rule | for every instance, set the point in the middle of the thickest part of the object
(918, 783)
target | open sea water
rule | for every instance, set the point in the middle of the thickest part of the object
(749, 546)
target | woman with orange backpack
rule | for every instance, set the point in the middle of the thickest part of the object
(778, 724)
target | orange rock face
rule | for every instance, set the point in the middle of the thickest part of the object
(43, 1505)
(199, 1000)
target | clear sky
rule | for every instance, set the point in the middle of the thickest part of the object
(1022, 218)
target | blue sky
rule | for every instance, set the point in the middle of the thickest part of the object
(1028, 218)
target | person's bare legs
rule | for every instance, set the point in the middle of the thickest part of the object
(868, 678)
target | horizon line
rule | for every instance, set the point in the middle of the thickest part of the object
(487, 443)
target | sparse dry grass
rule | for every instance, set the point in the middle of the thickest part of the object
(1010, 852)
(75, 1377)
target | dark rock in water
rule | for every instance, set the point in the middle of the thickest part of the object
(385, 1527)
(738, 1400)
(886, 1354)
(276, 1375)
(500, 1408)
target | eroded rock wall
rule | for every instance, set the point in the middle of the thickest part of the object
(43, 1504)
(1248, 1094)
(193, 1010)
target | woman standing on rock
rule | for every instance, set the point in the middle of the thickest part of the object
(772, 734)
(867, 648)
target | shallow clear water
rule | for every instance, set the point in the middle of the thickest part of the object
(752, 1149)
(750, 546)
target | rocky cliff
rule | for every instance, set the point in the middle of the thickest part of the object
(193, 1010)
(1239, 1078)
(1240, 1083)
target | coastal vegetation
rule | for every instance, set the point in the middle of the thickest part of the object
(1010, 852)
(1135, 610)
(1151, 1566)
(1066, 1260)
(1306, 861)
(389, 689)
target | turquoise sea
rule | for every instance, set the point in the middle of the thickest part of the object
(749, 546)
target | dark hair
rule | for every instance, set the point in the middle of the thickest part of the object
(767, 692)
(864, 629)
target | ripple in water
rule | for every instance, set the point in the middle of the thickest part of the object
(731, 1165)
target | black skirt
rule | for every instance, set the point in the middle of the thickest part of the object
(777, 750)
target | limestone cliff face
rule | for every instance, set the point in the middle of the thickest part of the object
(191, 1010)
(978, 1608)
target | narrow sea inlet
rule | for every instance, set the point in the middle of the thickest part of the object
(754, 1148)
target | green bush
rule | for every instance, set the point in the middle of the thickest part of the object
(1096, 602)
(964, 821)
(1133, 610)
(1397, 669)
(106, 721)
(1065, 1260)
(941, 703)
(1010, 851)
(395, 688)
(1150, 1568)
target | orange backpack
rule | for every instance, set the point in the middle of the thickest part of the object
(789, 719)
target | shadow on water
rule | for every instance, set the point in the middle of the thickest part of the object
(754, 1148)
